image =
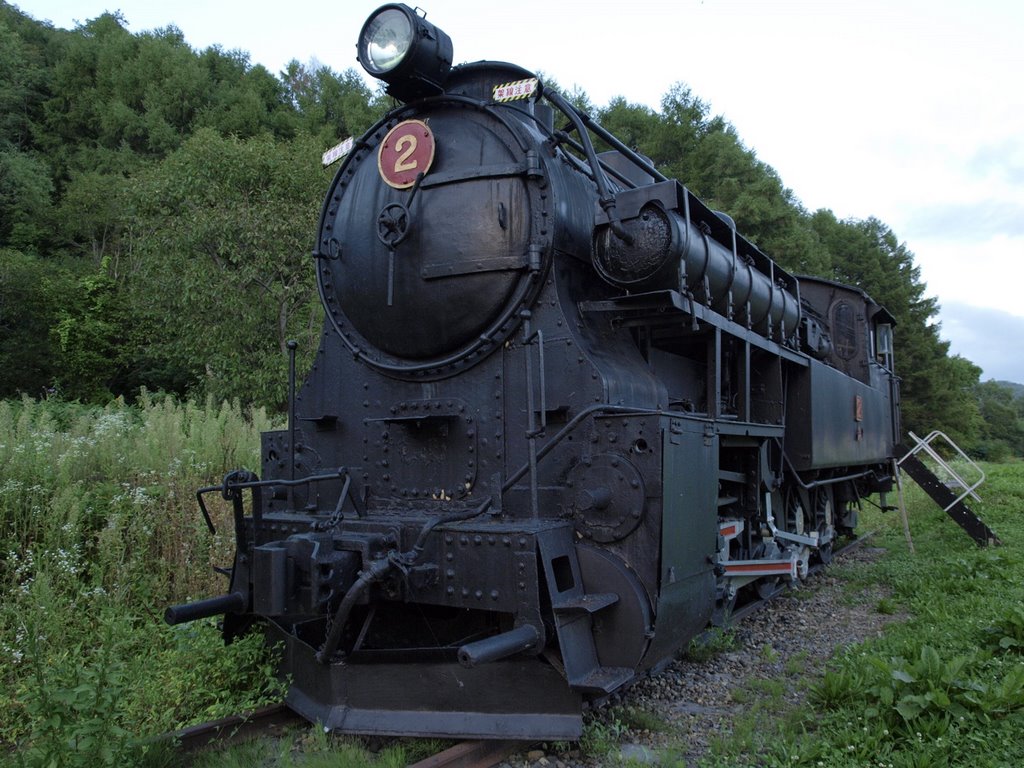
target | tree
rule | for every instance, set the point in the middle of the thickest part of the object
(634, 124)
(93, 129)
(25, 191)
(245, 100)
(221, 238)
(937, 389)
(89, 335)
(32, 292)
(330, 105)
(1003, 413)
(23, 82)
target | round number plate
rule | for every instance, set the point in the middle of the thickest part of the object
(406, 152)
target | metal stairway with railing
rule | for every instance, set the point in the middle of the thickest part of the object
(945, 483)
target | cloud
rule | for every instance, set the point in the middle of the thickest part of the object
(980, 273)
(1002, 159)
(967, 221)
(989, 338)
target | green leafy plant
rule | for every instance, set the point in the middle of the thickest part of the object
(602, 733)
(98, 532)
(886, 606)
(1007, 634)
(711, 643)
(639, 719)
(74, 699)
(797, 663)
(927, 685)
(837, 688)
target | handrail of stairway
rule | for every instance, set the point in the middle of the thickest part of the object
(925, 445)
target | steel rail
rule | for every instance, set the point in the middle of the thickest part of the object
(472, 754)
(232, 729)
(235, 729)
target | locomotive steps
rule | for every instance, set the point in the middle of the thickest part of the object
(948, 484)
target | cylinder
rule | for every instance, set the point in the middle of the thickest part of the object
(214, 606)
(661, 248)
(734, 285)
(500, 646)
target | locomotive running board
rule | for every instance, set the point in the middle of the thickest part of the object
(510, 699)
(940, 493)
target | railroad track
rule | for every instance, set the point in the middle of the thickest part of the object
(233, 729)
(472, 754)
(274, 719)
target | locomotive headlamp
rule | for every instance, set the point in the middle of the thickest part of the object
(404, 50)
(385, 41)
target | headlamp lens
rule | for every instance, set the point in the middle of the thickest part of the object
(387, 39)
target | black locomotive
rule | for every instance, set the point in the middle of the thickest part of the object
(561, 413)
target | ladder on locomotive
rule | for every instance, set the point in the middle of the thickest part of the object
(945, 482)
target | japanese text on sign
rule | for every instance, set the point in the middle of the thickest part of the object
(519, 89)
(337, 152)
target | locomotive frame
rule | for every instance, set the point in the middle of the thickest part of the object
(562, 415)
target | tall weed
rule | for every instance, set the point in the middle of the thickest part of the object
(99, 531)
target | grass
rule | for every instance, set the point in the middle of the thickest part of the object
(714, 641)
(943, 688)
(98, 533)
(311, 749)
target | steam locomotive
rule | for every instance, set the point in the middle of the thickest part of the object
(561, 415)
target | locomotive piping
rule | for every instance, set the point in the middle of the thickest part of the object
(518, 475)
(565, 138)
(599, 178)
(378, 570)
(292, 346)
(605, 196)
(826, 481)
(616, 144)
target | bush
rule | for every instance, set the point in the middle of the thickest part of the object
(98, 532)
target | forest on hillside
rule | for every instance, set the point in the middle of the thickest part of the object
(158, 203)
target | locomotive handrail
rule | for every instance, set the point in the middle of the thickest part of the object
(532, 430)
(544, 450)
(827, 481)
(617, 144)
(608, 137)
(605, 196)
(925, 445)
(574, 115)
(228, 486)
(497, 171)
(565, 138)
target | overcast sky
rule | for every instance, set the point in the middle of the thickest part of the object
(911, 111)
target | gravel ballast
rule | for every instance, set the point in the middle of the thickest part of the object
(789, 640)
